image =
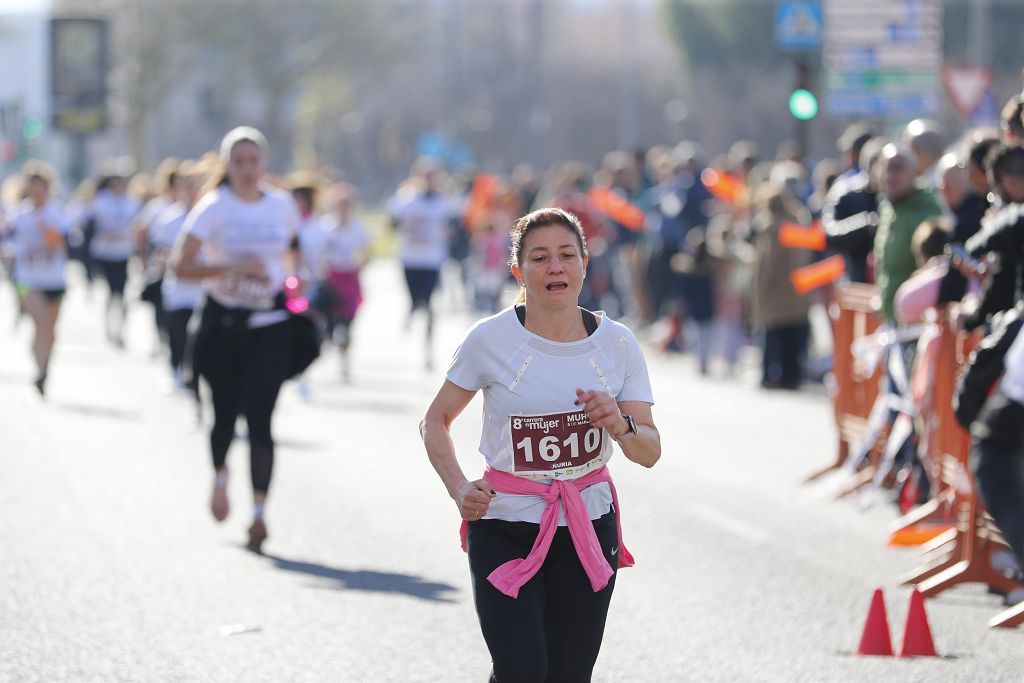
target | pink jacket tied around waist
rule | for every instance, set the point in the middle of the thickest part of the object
(510, 577)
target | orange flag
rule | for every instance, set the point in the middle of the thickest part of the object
(797, 236)
(616, 207)
(818, 274)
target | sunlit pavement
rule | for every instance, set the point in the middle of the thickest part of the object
(111, 567)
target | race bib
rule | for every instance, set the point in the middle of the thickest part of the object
(418, 230)
(554, 443)
(112, 239)
(247, 289)
(40, 258)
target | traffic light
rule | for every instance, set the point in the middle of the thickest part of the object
(32, 129)
(803, 103)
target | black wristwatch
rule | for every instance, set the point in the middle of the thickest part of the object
(632, 427)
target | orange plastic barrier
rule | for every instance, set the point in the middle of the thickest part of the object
(819, 274)
(617, 207)
(963, 554)
(722, 185)
(853, 316)
(797, 236)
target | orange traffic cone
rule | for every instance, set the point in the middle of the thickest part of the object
(875, 639)
(917, 635)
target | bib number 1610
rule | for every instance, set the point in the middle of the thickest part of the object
(549, 448)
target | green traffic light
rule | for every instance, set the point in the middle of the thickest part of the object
(32, 128)
(803, 105)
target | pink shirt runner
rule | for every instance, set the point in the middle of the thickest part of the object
(510, 577)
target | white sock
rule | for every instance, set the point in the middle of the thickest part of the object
(257, 510)
(221, 480)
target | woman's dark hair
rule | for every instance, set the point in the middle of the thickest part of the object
(930, 239)
(980, 150)
(539, 219)
(1004, 160)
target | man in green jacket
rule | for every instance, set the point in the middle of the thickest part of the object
(905, 206)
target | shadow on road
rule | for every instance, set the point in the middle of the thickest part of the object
(99, 411)
(367, 580)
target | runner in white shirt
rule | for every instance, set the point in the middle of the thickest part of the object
(244, 349)
(178, 298)
(304, 188)
(342, 244)
(560, 384)
(422, 219)
(39, 234)
(154, 256)
(111, 212)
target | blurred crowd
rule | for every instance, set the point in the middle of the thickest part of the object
(710, 254)
(691, 246)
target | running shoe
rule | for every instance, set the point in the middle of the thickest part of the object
(257, 534)
(219, 498)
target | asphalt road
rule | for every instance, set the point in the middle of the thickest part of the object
(111, 567)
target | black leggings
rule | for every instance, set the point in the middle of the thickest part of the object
(997, 454)
(245, 369)
(421, 283)
(116, 275)
(553, 630)
(177, 335)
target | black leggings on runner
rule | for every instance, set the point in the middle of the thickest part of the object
(421, 283)
(553, 630)
(245, 370)
(115, 273)
(177, 335)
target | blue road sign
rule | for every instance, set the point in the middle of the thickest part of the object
(799, 25)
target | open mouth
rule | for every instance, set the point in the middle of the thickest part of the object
(557, 286)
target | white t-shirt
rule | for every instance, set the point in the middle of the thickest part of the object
(310, 238)
(423, 226)
(233, 230)
(112, 215)
(164, 229)
(1013, 377)
(342, 247)
(36, 265)
(531, 425)
(151, 209)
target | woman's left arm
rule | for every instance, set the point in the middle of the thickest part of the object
(644, 447)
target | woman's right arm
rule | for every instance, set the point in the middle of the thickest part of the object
(471, 497)
(185, 262)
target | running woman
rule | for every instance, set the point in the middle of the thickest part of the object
(343, 247)
(111, 212)
(247, 232)
(40, 230)
(153, 254)
(179, 298)
(305, 191)
(560, 383)
(423, 225)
